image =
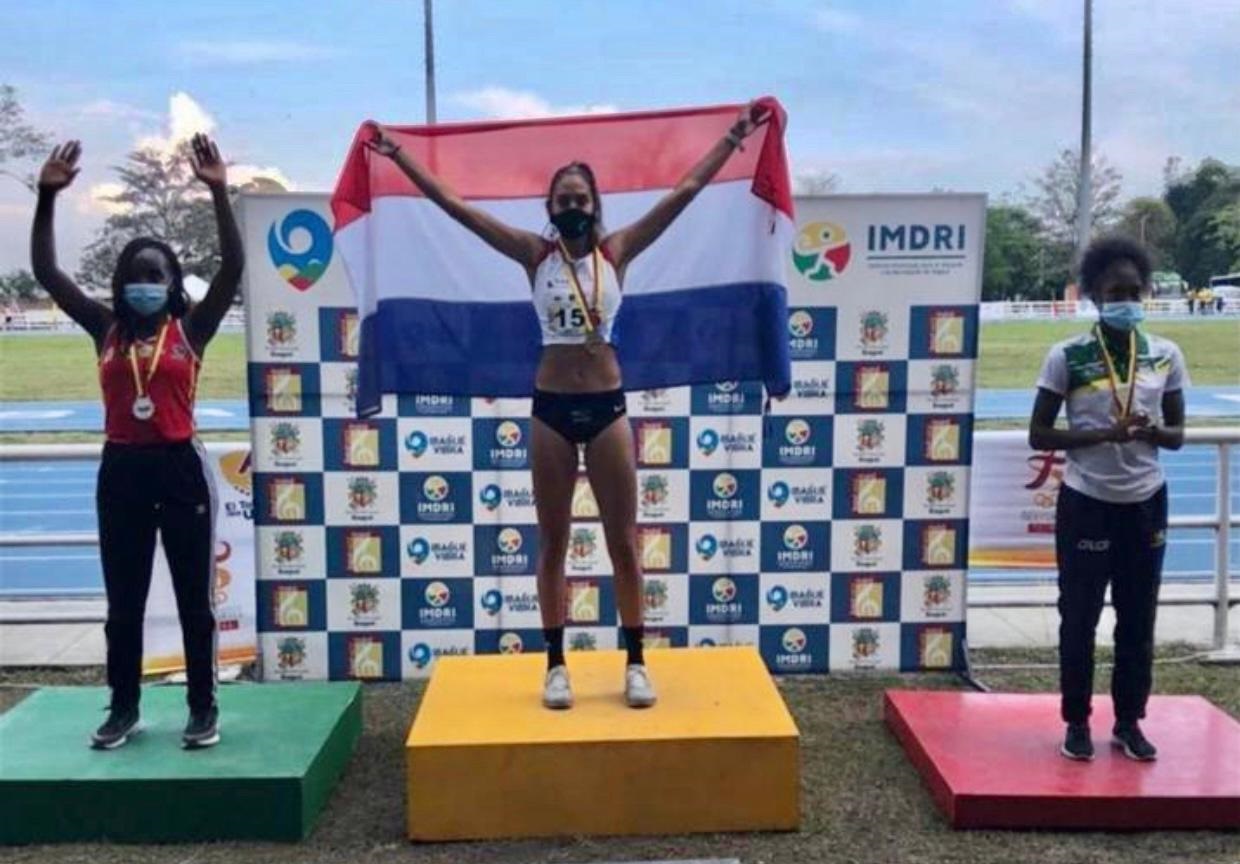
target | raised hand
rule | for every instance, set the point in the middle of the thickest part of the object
(206, 162)
(750, 118)
(61, 167)
(382, 143)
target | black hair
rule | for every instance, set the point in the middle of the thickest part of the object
(586, 172)
(178, 300)
(1104, 252)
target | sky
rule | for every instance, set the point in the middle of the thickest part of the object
(889, 95)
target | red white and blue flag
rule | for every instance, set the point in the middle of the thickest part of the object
(443, 313)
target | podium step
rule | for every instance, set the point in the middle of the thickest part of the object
(991, 760)
(485, 759)
(283, 748)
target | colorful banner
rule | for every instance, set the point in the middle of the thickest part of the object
(831, 533)
(234, 574)
(1015, 489)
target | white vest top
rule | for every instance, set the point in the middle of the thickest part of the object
(559, 311)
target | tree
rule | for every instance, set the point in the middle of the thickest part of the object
(17, 285)
(159, 198)
(815, 183)
(19, 141)
(1151, 222)
(1055, 203)
(1206, 203)
(1020, 263)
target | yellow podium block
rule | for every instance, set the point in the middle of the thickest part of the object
(485, 760)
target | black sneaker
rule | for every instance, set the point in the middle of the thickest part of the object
(1127, 736)
(121, 725)
(1077, 744)
(202, 730)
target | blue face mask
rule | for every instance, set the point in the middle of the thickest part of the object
(1123, 315)
(146, 298)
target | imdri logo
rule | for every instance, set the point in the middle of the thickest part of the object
(778, 493)
(777, 597)
(417, 444)
(795, 537)
(492, 602)
(800, 324)
(797, 432)
(708, 441)
(508, 434)
(435, 488)
(491, 497)
(418, 549)
(822, 251)
(438, 595)
(794, 640)
(510, 643)
(912, 238)
(725, 485)
(723, 590)
(707, 546)
(509, 541)
(300, 247)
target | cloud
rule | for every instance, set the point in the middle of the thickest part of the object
(185, 118)
(245, 52)
(505, 104)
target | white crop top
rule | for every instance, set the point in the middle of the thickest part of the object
(559, 311)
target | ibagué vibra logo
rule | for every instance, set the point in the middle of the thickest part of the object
(304, 265)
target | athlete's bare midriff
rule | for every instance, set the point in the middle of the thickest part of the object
(578, 369)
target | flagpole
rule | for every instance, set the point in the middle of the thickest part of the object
(1084, 194)
(429, 30)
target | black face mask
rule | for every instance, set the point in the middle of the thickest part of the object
(573, 223)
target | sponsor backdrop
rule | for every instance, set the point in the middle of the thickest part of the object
(830, 533)
(234, 573)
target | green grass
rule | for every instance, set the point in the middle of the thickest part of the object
(861, 799)
(63, 366)
(1011, 352)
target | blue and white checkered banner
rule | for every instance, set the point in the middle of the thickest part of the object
(831, 533)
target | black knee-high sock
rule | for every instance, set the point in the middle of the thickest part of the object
(633, 644)
(555, 646)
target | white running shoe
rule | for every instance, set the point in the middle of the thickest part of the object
(557, 692)
(638, 691)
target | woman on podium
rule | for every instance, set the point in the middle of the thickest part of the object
(154, 475)
(576, 278)
(1124, 393)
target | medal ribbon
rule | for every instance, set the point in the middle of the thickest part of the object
(578, 294)
(1122, 408)
(150, 372)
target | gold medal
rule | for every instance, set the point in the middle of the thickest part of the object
(1122, 408)
(593, 317)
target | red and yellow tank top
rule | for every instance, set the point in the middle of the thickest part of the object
(148, 387)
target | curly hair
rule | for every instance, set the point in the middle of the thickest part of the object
(1104, 252)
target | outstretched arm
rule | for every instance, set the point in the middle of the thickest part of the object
(627, 243)
(204, 319)
(57, 173)
(524, 247)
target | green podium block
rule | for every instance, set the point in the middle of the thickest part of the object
(283, 748)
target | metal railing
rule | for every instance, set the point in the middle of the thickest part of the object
(1222, 521)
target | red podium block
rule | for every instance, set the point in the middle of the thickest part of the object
(991, 760)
